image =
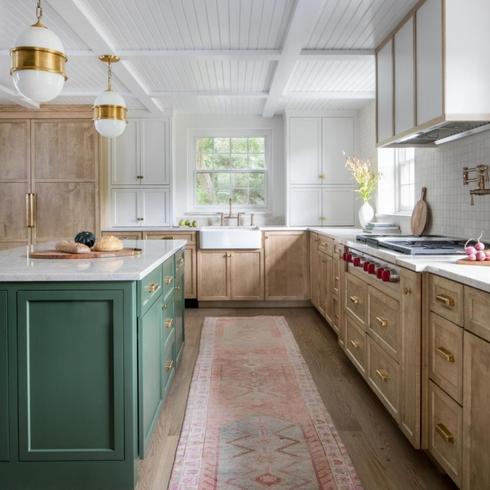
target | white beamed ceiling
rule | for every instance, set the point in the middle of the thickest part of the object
(215, 56)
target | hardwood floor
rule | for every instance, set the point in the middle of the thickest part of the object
(383, 458)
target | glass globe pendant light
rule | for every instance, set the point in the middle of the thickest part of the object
(38, 62)
(110, 109)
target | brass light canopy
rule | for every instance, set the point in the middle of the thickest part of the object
(110, 111)
(38, 62)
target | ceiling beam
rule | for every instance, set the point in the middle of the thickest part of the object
(82, 20)
(16, 98)
(300, 27)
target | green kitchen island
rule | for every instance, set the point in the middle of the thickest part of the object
(88, 351)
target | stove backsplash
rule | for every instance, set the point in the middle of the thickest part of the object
(441, 171)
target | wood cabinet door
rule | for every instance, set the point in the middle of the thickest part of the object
(155, 152)
(338, 138)
(213, 275)
(247, 275)
(125, 156)
(154, 206)
(286, 265)
(150, 370)
(314, 270)
(190, 275)
(125, 207)
(305, 206)
(429, 59)
(324, 269)
(338, 206)
(384, 89)
(405, 77)
(4, 399)
(476, 412)
(305, 150)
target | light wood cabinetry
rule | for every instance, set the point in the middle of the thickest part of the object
(477, 312)
(446, 299)
(230, 275)
(286, 265)
(356, 345)
(314, 270)
(325, 280)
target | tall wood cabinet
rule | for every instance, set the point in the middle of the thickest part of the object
(55, 156)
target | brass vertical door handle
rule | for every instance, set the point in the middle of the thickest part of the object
(30, 210)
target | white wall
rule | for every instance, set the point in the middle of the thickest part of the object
(366, 129)
(185, 124)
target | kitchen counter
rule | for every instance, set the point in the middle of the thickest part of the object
(16, 267)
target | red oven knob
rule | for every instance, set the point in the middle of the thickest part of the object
(379, 272)
(386, 276)
(366, 265)
(349, 257)
(357, 261)
(372, 268)
(344, 256)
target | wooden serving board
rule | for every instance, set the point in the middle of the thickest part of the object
(55, 254)
(419, 215)
(473, 262)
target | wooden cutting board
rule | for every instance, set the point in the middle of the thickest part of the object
(419, 215)
(473, 262)
(55, 254)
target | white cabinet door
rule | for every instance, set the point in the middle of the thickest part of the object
(125, 207)
(429, 61)
(338, 138)
(405, 78)
(338, 206)
(125, 158)
(154, 207)
(384, 77)
(305, 206)
(155, 161)
(305, 150)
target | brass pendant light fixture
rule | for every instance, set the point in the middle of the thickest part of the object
(38, 62)
(110, 109)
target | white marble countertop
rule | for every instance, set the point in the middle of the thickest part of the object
(15, 266)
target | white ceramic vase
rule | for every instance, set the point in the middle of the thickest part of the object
(366, 214)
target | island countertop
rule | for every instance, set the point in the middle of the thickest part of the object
(15, 266)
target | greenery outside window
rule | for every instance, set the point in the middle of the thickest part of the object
(230, 167)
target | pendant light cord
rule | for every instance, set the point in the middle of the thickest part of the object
(39, 11)
(109, 76)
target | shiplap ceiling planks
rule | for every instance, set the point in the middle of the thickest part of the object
(214, 56)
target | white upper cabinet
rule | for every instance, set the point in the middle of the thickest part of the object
(429, 61)
(141, 155)
(384, 80)
(404, 50)
(338, 206)
(338, 138)
(305, 150)
(124, 207)
(305, 206)
(154, 206)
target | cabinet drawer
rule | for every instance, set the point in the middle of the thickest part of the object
(384, 321)
(356, 298)
(168, 360)
(150, 287)
(446, 356)
(336, 314)
(445, 431)
(446, 299)
(154, 235)
(355, 345)
(168, 276)
(168, 307)
(124, 235)
(477, 312)
(325, 244)
(384, 377)
(336, 265)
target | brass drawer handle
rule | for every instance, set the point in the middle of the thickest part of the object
(445, 354)
(445, 433)
(445, 300)
(169, 279)
(164, 306)
(382, 322)
(153, 287)
(355, 300)
(384, 376)
(181, 261)
(354, 344)
(169, 323)
(169, 365)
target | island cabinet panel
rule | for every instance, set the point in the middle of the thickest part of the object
(150, 372)
(71, 375)
(179, 302)
(4, 436)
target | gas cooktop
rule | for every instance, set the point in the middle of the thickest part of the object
(414, 245)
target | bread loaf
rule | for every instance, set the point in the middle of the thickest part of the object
(108, 244)
(72, 247)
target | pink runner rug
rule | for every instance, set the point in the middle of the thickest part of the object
(254, 418)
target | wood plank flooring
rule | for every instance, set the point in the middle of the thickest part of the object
(383, 458)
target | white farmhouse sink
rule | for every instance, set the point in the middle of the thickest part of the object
(227, 237)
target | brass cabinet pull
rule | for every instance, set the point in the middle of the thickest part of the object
(321, 176)
(445, 300)
(169, 323)
(153, 287)
(384, 376)
(169, 365)
(382, 322)
(169, 279)
(407, 291)
(354, 300)
(164, 306)
(30, 210)
(445, 354)
(445, 433)
(354, 344)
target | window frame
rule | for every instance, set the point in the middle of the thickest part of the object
(192, 171)
(399, 209)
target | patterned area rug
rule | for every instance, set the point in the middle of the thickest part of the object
(254, 418)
